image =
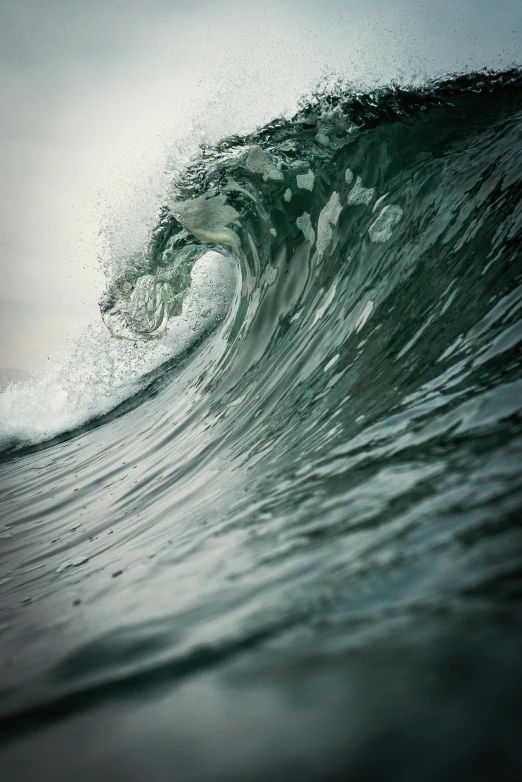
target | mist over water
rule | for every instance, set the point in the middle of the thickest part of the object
(261, 494)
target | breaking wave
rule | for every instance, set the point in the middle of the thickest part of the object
(298, 429)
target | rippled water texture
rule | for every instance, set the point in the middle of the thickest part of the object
(290, 548)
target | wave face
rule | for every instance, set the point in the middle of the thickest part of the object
(298, 539)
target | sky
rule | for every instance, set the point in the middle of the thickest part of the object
(99, 99)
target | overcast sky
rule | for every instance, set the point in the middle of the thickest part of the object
(96, 96)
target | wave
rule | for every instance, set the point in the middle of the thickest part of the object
(309, 448)
(362, 191)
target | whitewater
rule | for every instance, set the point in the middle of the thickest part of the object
(261, 519)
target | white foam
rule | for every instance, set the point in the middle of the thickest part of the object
(270, 275)
(305, 181)
(382, 228)
(304, 224)
(359, 195)
(325, 225)
(259, 162)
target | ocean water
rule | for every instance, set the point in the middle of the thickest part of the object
(264, 520)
